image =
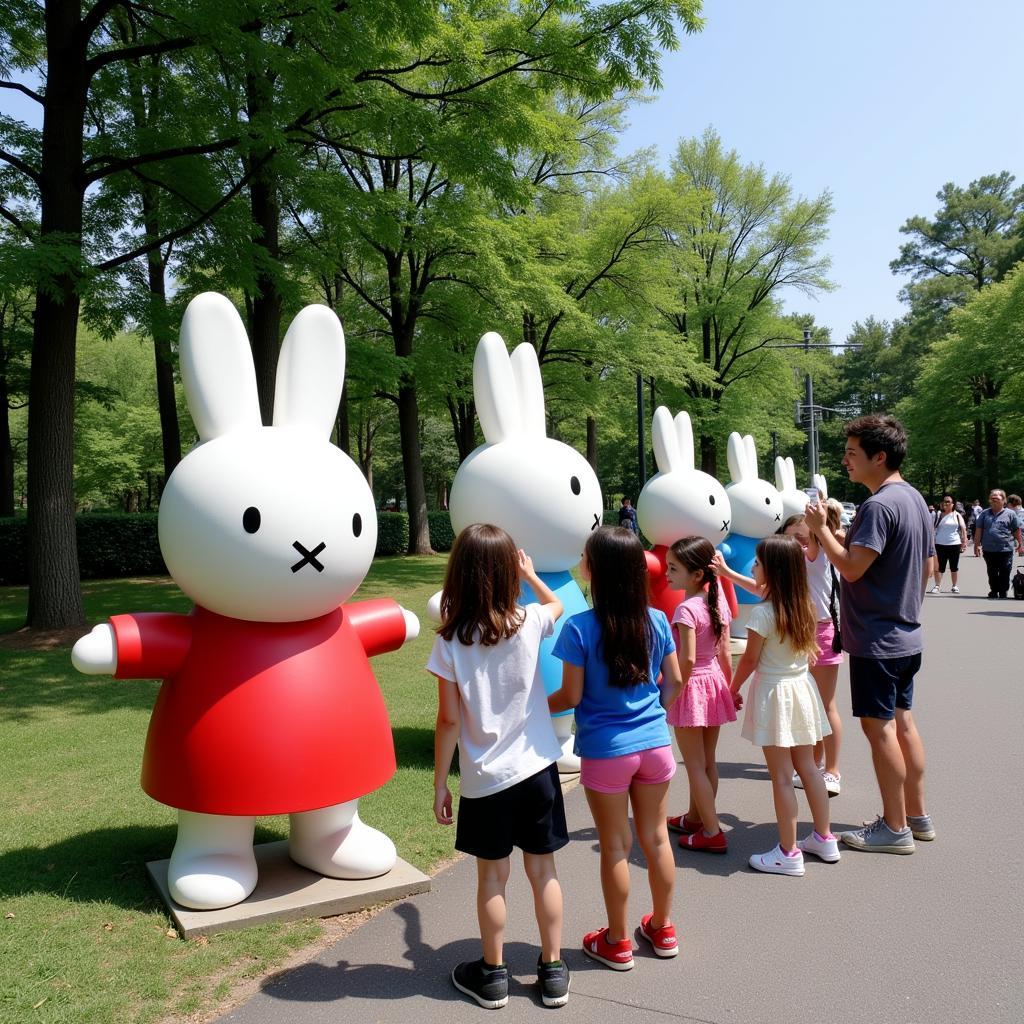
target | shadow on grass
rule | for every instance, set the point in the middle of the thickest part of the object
(425, 975)
(107, 865)
(414, 746)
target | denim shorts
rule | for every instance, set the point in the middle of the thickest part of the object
(878, 686)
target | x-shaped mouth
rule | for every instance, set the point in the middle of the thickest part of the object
(308, 557)
(597, 523)
(725, 525)
(778, 517)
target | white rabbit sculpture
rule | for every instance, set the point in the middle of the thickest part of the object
(678, 501)
(756, 513)
(794, 500)
(539, 490)
(268, 704)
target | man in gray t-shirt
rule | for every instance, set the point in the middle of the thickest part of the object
(885, 566)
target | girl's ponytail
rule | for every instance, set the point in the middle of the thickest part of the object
(716, 618)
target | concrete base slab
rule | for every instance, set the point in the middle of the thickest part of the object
(287, 892)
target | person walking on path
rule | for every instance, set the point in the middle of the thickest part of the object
(950, 543)
(785, 716)
(885, 565)
(997, 535)
(627, 516)
(613, 655)
(700, 628)
(491, 703)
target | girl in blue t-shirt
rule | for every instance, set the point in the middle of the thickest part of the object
(613, 655)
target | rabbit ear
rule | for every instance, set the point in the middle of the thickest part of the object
(310, 371)
(530, 388)
(736, 453)
(790, 473)
(748, 444)
(684, 435)
(781, 474)
(666, 443)
(216, 368)
(494, 389)
(819, 482)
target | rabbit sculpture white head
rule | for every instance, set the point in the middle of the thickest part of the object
(680, 500)
(541, 491)
(794, 500)
(756, 504)
(269, 524)
(817, 480)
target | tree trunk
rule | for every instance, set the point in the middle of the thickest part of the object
(267, 303)
(708, 455)
(54, 597)
(163, 340)
(412, 466)
(344, 433)
(462, 415)
(6, 452)
(592, 443)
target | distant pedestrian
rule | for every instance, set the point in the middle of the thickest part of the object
(491, 704)
(997, 534)
(627, 516)
(613, 656)
(885, 565)
(1013, 503)
(950, 543)
(784, 715)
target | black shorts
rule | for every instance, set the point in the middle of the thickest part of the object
(949, 554)
(879, 686)
(529, 815)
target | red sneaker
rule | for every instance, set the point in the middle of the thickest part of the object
(663, 940)
(709, 844)
(616, 955)
(681, 823)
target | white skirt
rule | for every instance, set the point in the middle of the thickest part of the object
(784, 711)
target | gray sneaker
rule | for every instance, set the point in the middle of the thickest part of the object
(554, 982)
(922, 827)
(879, 838)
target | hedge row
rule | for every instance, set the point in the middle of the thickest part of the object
(113, 545)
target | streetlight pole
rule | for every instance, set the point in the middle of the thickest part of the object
(641, 445)
(812, 440)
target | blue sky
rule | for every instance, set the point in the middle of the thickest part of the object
(880, 103)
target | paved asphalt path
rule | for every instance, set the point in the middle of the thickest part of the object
(926, 939)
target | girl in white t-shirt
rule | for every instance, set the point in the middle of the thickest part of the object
(784, 714)
(492, 705)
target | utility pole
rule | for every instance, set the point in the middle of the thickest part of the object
(812, 440)
(641, 445)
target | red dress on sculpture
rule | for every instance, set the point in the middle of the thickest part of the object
(263, 717)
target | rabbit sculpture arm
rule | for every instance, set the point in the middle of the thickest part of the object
(382, 625)
(146, 645)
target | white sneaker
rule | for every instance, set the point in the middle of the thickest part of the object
(935, 589)
(775, 862)
(954, 590)
(798, 783)
(831, 781)
(824, 849)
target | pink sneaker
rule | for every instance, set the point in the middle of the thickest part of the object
(663, 940)
(616, 955)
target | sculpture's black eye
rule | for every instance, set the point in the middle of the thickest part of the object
(357, 524)
(711, 498)
(574, 483)
(767, 501)
(251, 519)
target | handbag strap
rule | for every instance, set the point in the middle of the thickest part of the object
(832, 597)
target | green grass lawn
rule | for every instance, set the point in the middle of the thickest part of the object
(83, 936)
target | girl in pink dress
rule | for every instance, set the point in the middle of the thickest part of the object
(701, 627)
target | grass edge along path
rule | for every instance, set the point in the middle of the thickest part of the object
(83, 936)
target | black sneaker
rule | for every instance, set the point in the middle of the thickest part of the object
(554, 982)
(486, 984)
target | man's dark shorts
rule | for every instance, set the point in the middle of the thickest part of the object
(529, 815)
(879, 686)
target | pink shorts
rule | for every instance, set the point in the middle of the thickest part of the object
(825, 632)
(617, 774)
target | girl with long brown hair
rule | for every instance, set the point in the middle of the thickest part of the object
(700, 626)
(784, 715)
(613, 656)
(491, 704)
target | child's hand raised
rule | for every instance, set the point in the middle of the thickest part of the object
(718, 566)
(443, 805)
(525, 565)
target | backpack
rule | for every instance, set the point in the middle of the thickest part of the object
(1018, 583)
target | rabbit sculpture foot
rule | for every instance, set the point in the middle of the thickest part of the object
(333, 841)
(568, 763)
(212, 865)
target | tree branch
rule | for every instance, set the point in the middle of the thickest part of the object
(112, 165)
(18, 87)
(19, 165)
